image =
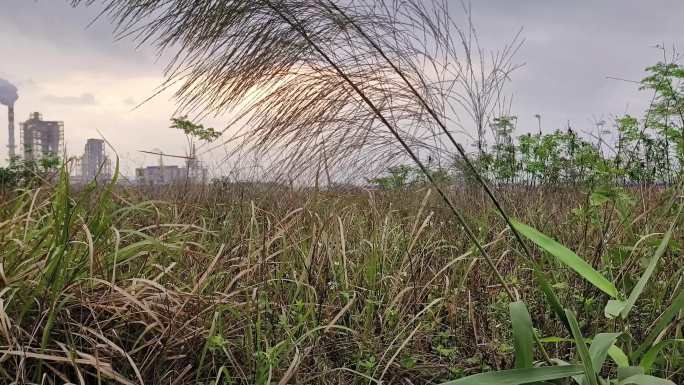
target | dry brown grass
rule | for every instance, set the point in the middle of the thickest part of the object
(291, 286)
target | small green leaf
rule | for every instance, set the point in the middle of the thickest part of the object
(566, 256)
(554, 340)
(613, 308)
(618, 356)
(518, 376)
(600, 345)
(408, 362)
(598, 198)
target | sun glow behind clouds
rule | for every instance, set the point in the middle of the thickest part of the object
(47, 50)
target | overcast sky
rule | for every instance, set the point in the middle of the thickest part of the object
(80, 75)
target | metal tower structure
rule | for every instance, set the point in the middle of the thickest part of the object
(41, 138)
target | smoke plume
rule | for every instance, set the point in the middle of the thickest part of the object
(8, 93)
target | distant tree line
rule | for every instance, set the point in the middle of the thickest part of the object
(649, 150)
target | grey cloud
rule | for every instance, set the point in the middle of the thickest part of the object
(571, 49)
(77, 41)
(27, 84)
(86, 99)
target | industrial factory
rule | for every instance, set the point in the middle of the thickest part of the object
(170, 174)
(41, 138)
(94, 165)
(44, 139)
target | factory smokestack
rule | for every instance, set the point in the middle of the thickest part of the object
(10, 127)
(8, 96)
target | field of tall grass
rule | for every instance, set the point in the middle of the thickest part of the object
(545, 258)
(238, 284)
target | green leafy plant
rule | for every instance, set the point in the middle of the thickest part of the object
(195, 130)
(593, 357)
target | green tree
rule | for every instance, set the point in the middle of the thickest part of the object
(666, 115)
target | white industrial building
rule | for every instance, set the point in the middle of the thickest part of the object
(160, 175)
(95, 164)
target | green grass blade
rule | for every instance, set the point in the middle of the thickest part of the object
(207, 343)
(652, 264)
(519, 376)
(643, 379)
(615, 353)
(567, 257)
(523, 338)
(663, 321)
(649, 358)
(589, 372)
(550, 294)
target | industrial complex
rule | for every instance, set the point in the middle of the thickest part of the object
(44, 139)
(168, 174)
(94, 165)
(40, 138)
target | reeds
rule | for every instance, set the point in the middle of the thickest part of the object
(342, 83)
(251, 287)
